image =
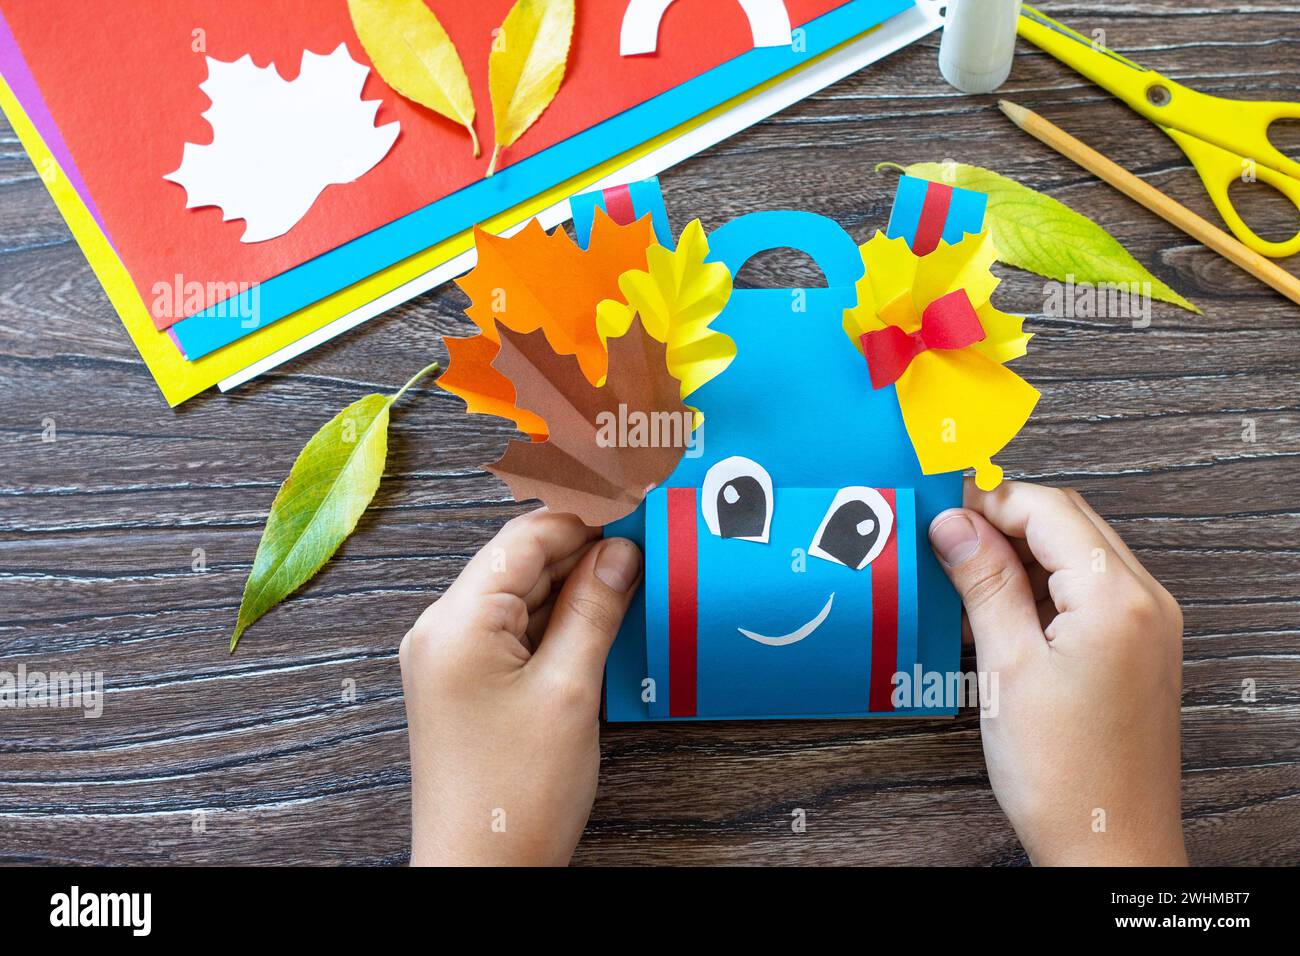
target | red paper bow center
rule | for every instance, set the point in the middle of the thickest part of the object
(949, 322)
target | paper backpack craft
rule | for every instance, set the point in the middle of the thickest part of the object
(778, 454)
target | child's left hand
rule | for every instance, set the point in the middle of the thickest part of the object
(502, 678)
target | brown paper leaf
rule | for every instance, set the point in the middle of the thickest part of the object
(607, 446)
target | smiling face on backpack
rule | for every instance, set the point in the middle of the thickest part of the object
(780, 599)
(738, 504)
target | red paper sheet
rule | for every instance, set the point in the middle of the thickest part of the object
(122, 82)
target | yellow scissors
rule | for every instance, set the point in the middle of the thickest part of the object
(1226, 140)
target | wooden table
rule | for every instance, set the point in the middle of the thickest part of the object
(294, 750)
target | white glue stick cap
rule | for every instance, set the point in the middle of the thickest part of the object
(979, 41)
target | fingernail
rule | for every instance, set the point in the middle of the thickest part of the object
(618, 564)
(954, 538)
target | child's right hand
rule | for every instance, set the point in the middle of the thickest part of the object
(1083, 752)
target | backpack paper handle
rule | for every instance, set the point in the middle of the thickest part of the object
(822, 239)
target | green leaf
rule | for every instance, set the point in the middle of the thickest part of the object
(1040, 235)
(328, 489)
(526, 66)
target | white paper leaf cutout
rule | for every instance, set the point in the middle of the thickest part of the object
(276, 143)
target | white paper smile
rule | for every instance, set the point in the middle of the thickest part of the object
(794, 636)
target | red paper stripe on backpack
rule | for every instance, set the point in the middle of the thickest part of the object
(884, 618)
(683, 603)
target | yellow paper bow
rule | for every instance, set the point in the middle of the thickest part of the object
(960, 406)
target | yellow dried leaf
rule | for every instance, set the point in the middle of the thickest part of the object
(414, 55)
(526, 66)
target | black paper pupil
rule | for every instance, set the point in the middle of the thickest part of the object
(842, 538)
(742, 508)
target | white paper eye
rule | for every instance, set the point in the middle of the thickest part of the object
(737, 499)
(855, 529)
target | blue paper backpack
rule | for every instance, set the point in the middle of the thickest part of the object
(787, 567)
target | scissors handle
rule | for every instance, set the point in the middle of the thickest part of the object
(1219, 168)
(1239, 126)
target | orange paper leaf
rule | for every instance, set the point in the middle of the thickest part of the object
(607, 446)
(485, 390)
(534, 281)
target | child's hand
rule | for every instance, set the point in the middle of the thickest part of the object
(1083, 751)
(502, 677)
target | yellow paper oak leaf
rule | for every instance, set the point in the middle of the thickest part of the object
(677, 297)
(960, 406)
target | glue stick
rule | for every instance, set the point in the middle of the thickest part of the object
(979, 40)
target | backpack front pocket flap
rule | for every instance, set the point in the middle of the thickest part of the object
(814, 620)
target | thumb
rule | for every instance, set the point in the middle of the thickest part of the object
(589, 610)
(993, 585)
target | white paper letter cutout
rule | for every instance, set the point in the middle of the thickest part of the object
(769, 22)
(276, 143)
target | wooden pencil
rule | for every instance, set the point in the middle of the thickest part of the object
(1198, 228)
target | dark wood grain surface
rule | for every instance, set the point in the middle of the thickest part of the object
(260, 757)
